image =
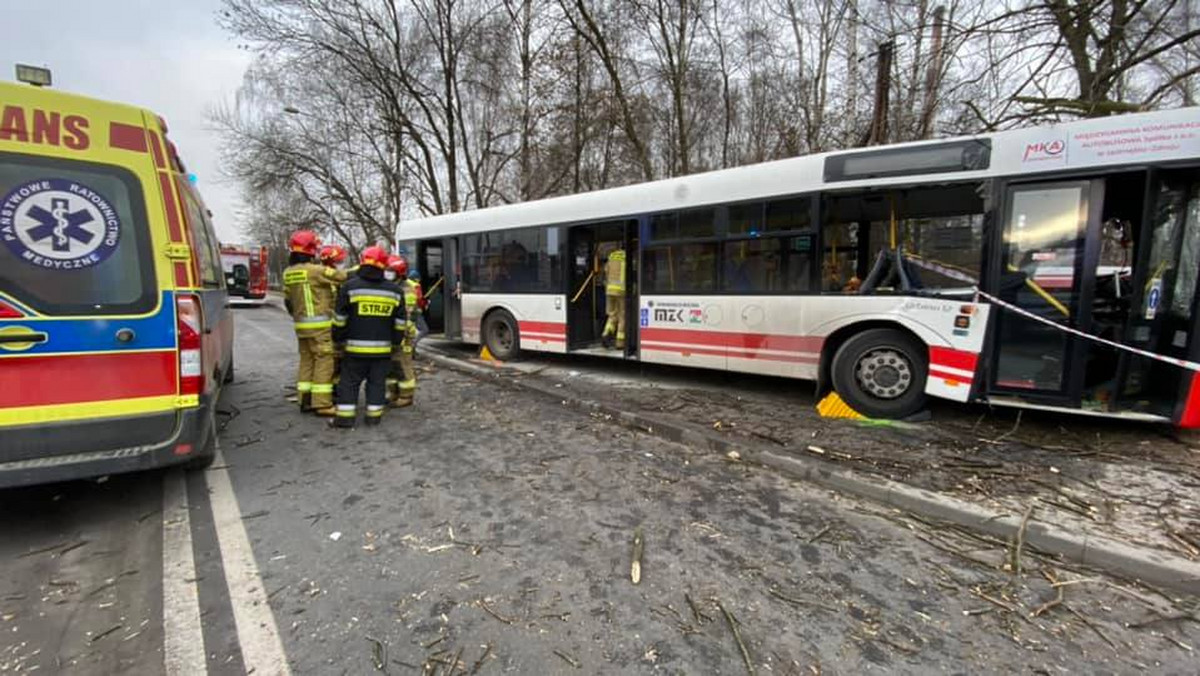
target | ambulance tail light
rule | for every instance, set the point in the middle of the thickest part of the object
(9, 312)
(189, 323)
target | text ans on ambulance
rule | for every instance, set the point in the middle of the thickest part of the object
(44, 127)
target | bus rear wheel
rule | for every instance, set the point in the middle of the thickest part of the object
(500, 335)
(881, 373)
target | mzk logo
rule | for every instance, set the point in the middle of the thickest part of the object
(58, 224)
(668, 314)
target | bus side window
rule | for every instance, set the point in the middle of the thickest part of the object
(839, 265)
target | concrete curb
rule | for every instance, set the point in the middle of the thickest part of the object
(1128, 561)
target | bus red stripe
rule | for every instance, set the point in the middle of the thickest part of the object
(65, 379)
(181, 274)
(126, 137)
(935, 372)
(749, 341)
(955, 359)
(730, 353)
(543, 327)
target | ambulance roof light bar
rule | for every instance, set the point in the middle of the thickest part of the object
(34, 75)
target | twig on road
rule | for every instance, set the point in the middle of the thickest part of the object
(1090, 625)
(1015, 561)
(1002, 437)
(104, 633)
(768, 437)
(1166, 618)
(737, 636)
(378, 653)
(1059, 587)
(567, 658)
(819, 534)
(488, 609)
(487, 650)
(700, 617)
(800, 602)
(1052, 603)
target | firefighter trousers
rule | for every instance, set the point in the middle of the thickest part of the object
(615, 326)
(355, 370)
(315, 375)
(402, 382)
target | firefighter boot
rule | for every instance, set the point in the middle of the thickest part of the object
(327, 412)
(306, 402)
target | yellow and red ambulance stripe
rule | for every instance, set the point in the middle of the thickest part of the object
(173, 207)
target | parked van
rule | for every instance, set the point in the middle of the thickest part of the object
(115, 339)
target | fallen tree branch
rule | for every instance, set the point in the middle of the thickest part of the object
(1015, 561)
(737, 636)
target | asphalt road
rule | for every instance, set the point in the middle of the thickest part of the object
(490, 530)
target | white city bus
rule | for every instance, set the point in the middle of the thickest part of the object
(887, 274)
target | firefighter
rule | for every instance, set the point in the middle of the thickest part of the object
(332, 256)
(370, 318)
(308, 296)
(402, 381)
(422, 304)
(614, 290)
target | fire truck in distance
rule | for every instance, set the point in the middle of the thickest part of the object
(245, 271)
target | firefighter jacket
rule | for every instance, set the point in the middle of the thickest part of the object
(336, 275)
(614, 274)
(412, 298)
(369, 316)
(308, 294)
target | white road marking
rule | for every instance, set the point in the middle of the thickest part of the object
(262, 650)
(183, 636)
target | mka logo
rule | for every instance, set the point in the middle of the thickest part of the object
(59, 224)
(1043, 151)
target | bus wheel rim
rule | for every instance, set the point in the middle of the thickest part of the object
(503, 336)
(884, 372)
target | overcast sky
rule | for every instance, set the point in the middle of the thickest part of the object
(170, 57)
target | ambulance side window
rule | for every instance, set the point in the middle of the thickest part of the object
(203, 243)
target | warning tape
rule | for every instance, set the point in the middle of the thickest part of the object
(1182, 363)
(952, 273)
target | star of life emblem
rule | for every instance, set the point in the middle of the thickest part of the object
(58, 224)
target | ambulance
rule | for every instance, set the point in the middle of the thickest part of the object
(115, 339)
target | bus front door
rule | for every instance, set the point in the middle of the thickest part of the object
(1046, 268)
(585, 296)
(429, 262)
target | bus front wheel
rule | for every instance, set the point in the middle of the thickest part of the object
(500, 335)
(881, 373)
